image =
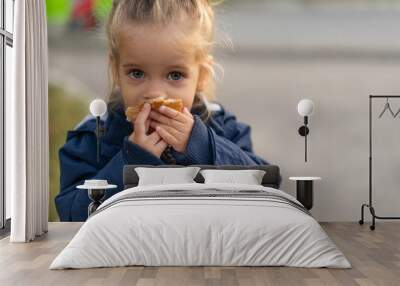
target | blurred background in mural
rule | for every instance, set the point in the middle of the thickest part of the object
(335, 52)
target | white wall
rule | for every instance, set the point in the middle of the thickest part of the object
(273, 67)
(338, 142)
(334, 55)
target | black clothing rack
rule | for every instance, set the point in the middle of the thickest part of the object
(369, 205)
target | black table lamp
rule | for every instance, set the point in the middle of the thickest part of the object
(305, 108)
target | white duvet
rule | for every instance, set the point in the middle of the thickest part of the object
(183, 231)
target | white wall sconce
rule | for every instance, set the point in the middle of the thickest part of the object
(98, 108)
(305, 108)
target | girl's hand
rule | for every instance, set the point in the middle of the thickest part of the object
(152, 142)
(173, 126)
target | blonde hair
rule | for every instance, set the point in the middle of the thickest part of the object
(165, 12)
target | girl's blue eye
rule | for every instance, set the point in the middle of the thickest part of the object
(137, 74)
(175, 75)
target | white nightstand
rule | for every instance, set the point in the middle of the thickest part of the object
(304, 190)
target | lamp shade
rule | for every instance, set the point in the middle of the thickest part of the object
(98, 107)
(305, 107)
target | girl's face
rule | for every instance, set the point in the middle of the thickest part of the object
(152, 65)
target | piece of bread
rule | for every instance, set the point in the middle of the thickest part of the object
(175, 103)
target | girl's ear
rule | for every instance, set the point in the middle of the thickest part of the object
(114, 70)
(203, 78)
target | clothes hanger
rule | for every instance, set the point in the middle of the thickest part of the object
(387, 106)
(397, 113)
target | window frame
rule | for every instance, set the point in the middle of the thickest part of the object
(6, 39)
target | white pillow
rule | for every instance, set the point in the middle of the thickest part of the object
(162, 176)
(249, 177)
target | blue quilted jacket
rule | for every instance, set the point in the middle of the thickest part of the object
(221, 140)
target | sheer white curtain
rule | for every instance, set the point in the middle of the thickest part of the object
(27, 146)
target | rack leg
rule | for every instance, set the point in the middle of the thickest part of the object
(374, 216)
(372, 210)
(361, 221)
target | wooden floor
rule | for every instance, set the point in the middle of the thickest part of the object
(374, 255)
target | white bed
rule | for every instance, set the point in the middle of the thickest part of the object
(221, 225)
